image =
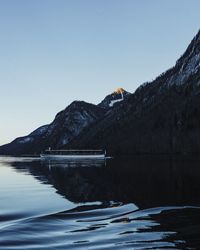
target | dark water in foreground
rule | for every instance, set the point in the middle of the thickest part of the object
(141, 203)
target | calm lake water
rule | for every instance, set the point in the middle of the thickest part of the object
(138, 203)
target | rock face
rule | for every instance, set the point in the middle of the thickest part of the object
(67, 125)
(162, 116)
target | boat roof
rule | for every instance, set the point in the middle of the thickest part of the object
(75, 150)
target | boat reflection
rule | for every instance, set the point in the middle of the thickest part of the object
(63, 163)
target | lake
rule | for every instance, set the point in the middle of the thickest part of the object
(131, 203)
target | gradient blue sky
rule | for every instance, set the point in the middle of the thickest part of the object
(55, 51)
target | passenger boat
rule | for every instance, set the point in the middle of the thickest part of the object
(73, 154)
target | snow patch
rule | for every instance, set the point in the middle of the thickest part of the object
(25, 140)
(40, 131)
(117, 100)
(64, 140)
(190, 66)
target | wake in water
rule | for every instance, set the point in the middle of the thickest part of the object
(99, 227)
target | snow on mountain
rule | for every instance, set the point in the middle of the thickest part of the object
(40, 131)
(188, 64)
(32, 136)
(118, 91)
(25, 140)
(117, 96)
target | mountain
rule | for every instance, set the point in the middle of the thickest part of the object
(67, 125)
(162, 116)
(117, 96)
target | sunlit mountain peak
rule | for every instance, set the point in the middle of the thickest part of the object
(119, 91)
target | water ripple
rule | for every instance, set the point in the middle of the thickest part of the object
(120, 227)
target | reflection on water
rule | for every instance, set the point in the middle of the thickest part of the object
(137, 203)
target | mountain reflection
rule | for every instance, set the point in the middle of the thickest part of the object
(144, 181)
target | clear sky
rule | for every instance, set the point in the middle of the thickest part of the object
(55, 51)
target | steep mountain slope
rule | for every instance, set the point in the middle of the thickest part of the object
(66, 126)
(162, 116)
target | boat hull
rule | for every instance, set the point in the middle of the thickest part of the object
(70, 157)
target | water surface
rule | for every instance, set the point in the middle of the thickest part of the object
(137, 203)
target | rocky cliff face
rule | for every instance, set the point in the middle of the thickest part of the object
(162, 116)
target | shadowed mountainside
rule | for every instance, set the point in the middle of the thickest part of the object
(162, 116)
